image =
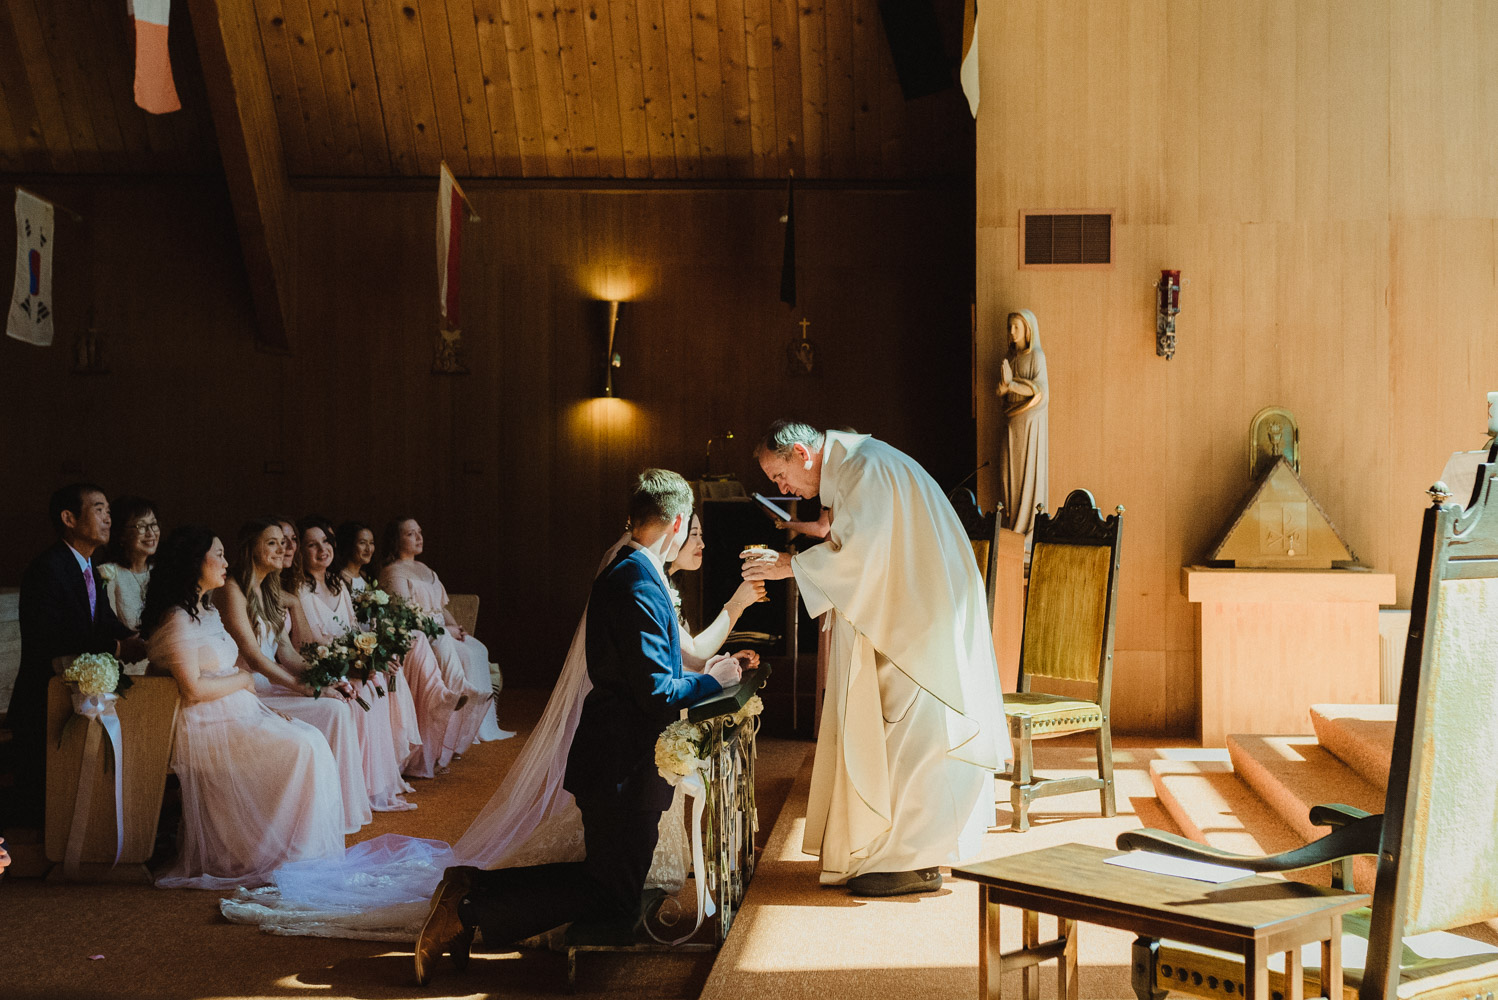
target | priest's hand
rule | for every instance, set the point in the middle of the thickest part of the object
(724, 669)
(780, 569)
(747, 658)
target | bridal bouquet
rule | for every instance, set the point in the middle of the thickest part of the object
(394, 620)
(97, 673)
(679, 750)
(330, 663)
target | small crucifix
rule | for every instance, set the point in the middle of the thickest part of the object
(801, 353)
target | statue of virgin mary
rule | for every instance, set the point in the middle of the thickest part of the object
(1024, 447)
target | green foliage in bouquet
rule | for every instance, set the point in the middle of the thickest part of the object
(331, 663)
(394, 620)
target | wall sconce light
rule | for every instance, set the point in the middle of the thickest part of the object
(1167, 304)
(611, 359)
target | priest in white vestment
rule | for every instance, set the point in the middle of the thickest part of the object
(912, 718)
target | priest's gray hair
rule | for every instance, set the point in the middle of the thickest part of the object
(658, 496)
(783, 435)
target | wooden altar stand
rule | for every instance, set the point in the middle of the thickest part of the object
(731, 818)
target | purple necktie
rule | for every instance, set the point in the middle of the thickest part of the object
(93, 597)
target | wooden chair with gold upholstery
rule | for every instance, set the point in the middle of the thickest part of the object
(1070, 607)
(1437, 838)
(465, 611)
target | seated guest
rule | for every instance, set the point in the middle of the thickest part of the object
(426, 714)
(639, 686)
(355, 552)
(125, 563)
(321, 611)
(258, 790)
(64, 612)
(290, 539)
(253, 613)
(464, 660)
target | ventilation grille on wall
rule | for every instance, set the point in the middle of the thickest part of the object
(1074, 238)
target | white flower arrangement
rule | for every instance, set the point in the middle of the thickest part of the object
(679, 749)
(94, 673)
(751, 708)
(107, 572)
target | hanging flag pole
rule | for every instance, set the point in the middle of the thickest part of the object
(29, 317)
(450, 215)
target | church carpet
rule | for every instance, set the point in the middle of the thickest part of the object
(89, 942)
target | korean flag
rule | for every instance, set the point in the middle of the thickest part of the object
(30, 315)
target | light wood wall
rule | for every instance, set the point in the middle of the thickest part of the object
(1324, 174)
(515, 472)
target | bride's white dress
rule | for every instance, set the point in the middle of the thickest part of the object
(382, 887)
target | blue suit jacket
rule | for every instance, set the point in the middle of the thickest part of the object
(639, 686)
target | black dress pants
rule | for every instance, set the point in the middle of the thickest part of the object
(512, 904)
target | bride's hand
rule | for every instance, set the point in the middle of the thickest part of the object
(748, 592)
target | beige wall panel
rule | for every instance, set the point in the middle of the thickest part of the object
(1296, 137)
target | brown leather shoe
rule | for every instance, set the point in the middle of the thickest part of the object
(444, 931)
(895, 883)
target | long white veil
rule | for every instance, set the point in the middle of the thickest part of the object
(381, 887)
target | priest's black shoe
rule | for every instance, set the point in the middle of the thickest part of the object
(444, 931)
(895, 883)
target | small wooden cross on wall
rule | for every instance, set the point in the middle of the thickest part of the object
(801, 354)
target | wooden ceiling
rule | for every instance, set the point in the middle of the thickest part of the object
(66, 98)
(648, 89)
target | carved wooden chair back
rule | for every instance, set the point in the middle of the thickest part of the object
(1073, 596)
(981, 531)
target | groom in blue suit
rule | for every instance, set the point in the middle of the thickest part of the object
(639, 687)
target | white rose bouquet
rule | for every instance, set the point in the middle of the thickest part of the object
(97, 673)
(679, 750)
(751, 708)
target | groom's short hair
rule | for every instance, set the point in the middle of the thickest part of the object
(658, 495)
(783, 435)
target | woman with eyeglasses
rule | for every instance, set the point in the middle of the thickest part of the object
(126, 561)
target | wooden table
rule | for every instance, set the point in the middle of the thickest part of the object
(1254, 917)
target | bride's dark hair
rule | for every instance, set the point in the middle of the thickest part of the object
(174, 578)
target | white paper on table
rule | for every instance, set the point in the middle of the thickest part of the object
(1161, 864)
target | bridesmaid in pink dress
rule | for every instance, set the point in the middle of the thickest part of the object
(424, 705)
(261, 627)
(322, 611)
(258, 790)
(460, 654)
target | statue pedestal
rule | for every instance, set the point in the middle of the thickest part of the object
(1273, 642)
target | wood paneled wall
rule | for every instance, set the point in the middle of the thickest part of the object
(516, 473)
(1323, 175)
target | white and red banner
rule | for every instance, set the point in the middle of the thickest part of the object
(452, 206)
(154, 89)
(30, 315)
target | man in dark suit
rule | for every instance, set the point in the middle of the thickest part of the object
(639, 687)
(64, 612)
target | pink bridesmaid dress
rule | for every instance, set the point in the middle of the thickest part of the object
(434, 713)
(315, 620)
(333, 717)
(467, 659)
(258, 790)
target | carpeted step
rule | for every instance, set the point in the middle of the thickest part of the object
(1361, 736)
(1212, 806)
(1292, 774)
